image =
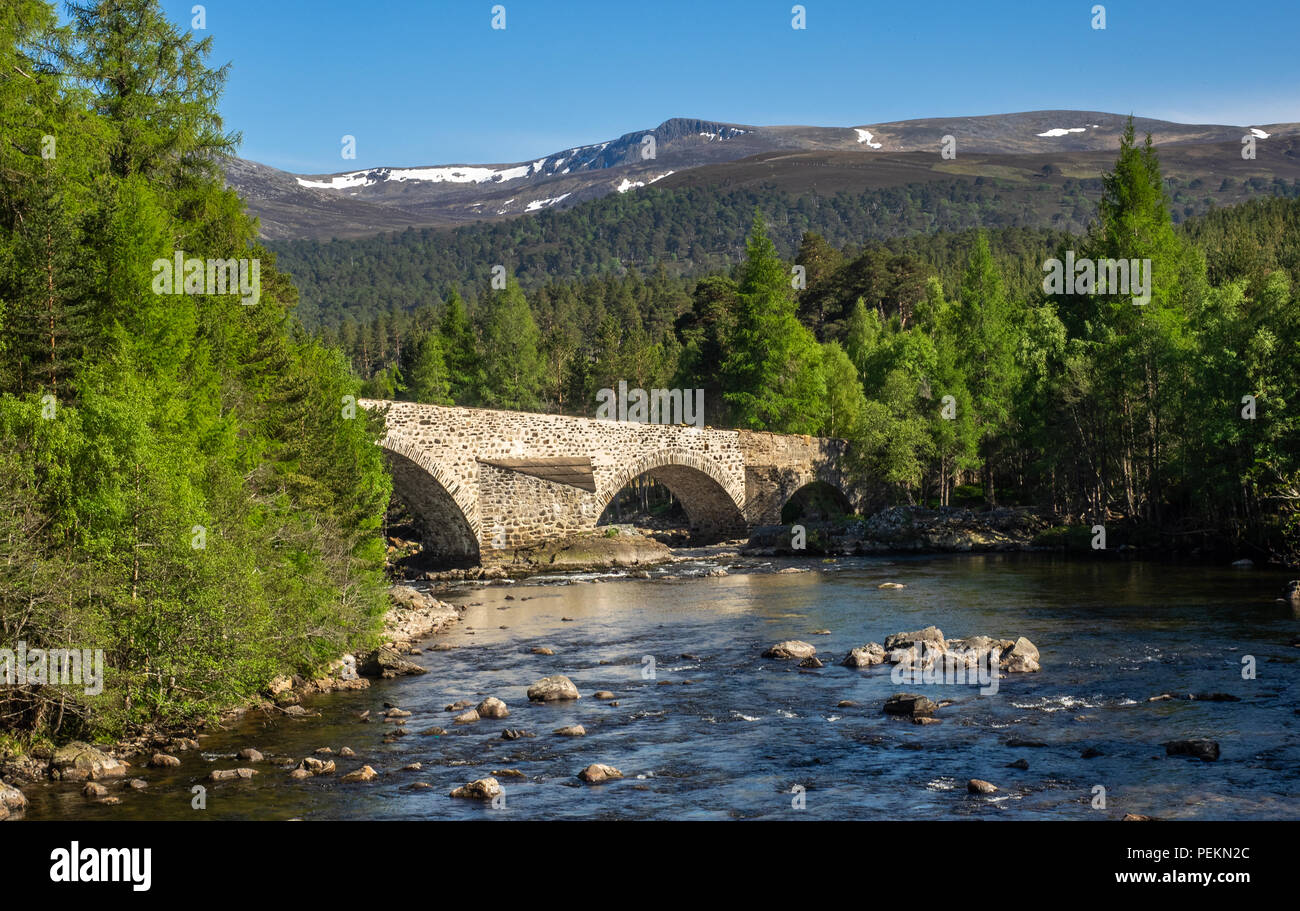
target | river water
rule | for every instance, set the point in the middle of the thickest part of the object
(705, 728)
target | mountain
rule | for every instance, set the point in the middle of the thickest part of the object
(684, 152)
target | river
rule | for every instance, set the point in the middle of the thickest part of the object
(705, 728)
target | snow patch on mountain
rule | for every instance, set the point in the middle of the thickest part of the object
(633, 184)
(537, 204)
(726, 133)
(451, 174)
(1062, 131)
(867, 137)
(1258, 133)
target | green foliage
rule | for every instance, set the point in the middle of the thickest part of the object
(772, 374)
(182, 482)
(513, 367)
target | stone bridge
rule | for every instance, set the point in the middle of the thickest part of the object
(482, 483)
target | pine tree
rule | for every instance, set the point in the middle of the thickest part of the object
(513, 368)
(985, 327)
(460, 353)
(772, 377)
(424, 373)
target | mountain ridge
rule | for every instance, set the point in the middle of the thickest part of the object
(367, 201)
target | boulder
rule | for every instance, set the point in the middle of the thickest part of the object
(386, 664)
(279, 685)
(163, 761)
(94, 791)
(365, 773)
(572, 730)
(79, 761)
(931, 635)
(249, 755)
(492, 707)
(973, 651)
(12, 801)
(1020, 658)
(313, 766)
(602, 694)
(890, 586)
(482, 789)
(1292, 591)
(791, 648)
(515, 734)
(553, 689)
(598, 772)
(1206, 750)
(909, 705)
(866, 656)
(811, 661)
(466, 717)
(980, 786)
(231, 774)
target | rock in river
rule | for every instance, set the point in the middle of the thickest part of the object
(12, 801)
(909, 705)
(482, 789)
(387, 663)
(931, 635)
(1020, 658)
(492, 707)
(1207, 750)
(598, 772)
(553, 689)
(980, 786)
(78, 761)
(866, 656)
(365, 773)
(791, 648)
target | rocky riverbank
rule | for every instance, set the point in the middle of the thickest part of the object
(607, 547)
(413, 617)
(906, 529)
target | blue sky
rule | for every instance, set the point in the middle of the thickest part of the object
(430, 82)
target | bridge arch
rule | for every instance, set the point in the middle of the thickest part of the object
(713, 503)
(815, 499)
(445, 510)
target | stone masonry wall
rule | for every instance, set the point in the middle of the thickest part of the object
(725, 479)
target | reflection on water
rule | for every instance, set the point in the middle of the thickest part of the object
(705, 728)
